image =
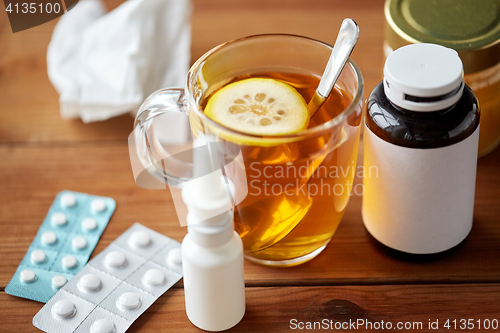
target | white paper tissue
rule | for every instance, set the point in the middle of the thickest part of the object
(106, 64)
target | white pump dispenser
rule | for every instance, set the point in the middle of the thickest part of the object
(212, 252)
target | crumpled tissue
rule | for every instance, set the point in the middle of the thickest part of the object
(106, 64)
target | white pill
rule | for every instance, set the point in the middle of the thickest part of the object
(89, 224)
(154, 277)
(98, 205)
(68, 200)
(79, 243)
(63, 309)
(69, 261)
(89, 282)
(128, 301)
(58, 219)
(58, 281)
(139, 239)
(49, 237)
(115, 259)
(27, 275)
(175, 256)
(38, 256)
(103, 326)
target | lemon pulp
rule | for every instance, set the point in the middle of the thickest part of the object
(259, 106)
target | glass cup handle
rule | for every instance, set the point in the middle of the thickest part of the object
(145, 144)
(160, 102)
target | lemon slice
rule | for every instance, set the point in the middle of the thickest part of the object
(259, 106)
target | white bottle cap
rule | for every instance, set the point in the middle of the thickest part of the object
(423, 77)
(63, 309)
(49, 237)
(103, 325)
(69, 261)
(27, 275)
(89, 283)
(128, 301)
(58, 281)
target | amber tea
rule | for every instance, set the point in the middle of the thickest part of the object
(292, 175)
(297, 189)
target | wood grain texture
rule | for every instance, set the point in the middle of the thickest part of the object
(27, 94)
(31, 175)
(41, 154)
(271, 309)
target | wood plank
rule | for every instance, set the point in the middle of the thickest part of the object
(29, 109)
(31, 175)
(272, 309)
(215, 22)
(41, 154)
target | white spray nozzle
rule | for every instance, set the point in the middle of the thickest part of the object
(208, 194)
(207, 168)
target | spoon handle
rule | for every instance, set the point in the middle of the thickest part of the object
(346, 40)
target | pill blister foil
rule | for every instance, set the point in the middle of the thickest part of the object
(116, 280)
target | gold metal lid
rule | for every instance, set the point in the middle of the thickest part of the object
(472, 27)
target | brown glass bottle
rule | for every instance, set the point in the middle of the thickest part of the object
(421, 138)
(415, 129)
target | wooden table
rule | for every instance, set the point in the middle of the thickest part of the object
(41, 154)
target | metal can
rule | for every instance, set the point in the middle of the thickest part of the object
(470, 27)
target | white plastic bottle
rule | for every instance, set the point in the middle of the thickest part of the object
(421, 142)
(212, 252)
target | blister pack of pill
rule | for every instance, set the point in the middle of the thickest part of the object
(62, 246)
(116, 286)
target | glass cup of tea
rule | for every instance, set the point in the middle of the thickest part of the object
(298, 184)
